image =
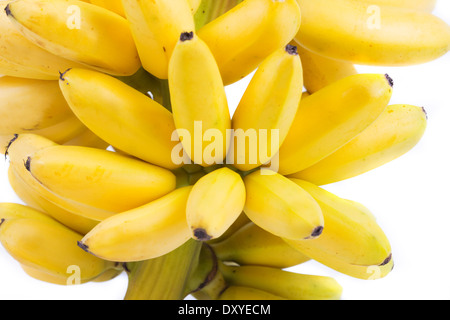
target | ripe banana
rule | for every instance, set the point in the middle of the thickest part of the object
(247, 293)
(156, 27)
(252, 245)
(143, 233)
(281, 283)
(267, 109)
(131, 121)
(78, 31)
(29, 104)
(351, 237)
(9, 68)
(281, 207)
(199, 102)
(421, 5)
(364, 33)
(331, 117)
(99, 178)
(395, 132)
(238, 53)
(87, 139)
(215, 203)
(47, 246)
(112, 5)
(194, 5)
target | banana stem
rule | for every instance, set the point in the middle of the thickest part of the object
(211, 9)
(166, 277)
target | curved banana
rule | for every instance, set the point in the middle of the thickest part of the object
(56, 254)
(199, 102)
(77, 31)
(215, 203)
(282, 283)
(238, 53)
(143, 233)
(351, 237)
(398, 129)
(112, 5)
(364, 33)
(281, 207)
(131, 121)
(29, 104)
(267, 109)
(331, 117)
(99, 178)
(156, 27)
(421, 5)
(247, 293)
(252, 245)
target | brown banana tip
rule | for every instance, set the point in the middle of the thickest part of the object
(62, 74)
(10, 143)
(425, 111)
(201, 234)
(387, 260)
(292, 50)
(28, 164)
(8, 10)
(186, 36)
(1, 221)
(83, 246)
(316, 232)
(390, 80)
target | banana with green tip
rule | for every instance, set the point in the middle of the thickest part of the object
(331, 117)
(77, 31)
(215, 203)
(398, 129)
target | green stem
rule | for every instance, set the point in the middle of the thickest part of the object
(166, 277)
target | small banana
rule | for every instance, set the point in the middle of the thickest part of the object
(267, 109)
(247, 293)
(215, 203)
(43, 244)
(352, 242)
(252, 245)
(199, 102)
(143, 233)
(366, 33)
(331, 117)
(281, 207)
(99, 178)
(156, 27)
(282, 283)
(78, 31)
(131, 121)
(240, 40)
(398, 129)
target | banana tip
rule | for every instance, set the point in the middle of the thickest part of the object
(62, 74)
(201, 234)
(292, 50)
(83, 246)
(389, 80)
(8, 10)
(10, 143)
(28, 164)
(186, 36)
(316, 232)
(425, 112)
(387, 260)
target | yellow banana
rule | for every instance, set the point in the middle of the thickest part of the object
(267, 109)
(112, 5)
(131, 121)
(364, 33)
(241, 221)
(331, 117)
(199, 102)
(46, 245)
(252, 245)
(421, 5)
(29, 104)
(87, 139)
(215, 203)
(99, 178)
(12, 69)
(281, 207)
(156, 27)
(194, 5)
(143, 233)
(351, 237)
(247, 293)
(395, 132)
(78, 31)
(282, 283)
(238, 53)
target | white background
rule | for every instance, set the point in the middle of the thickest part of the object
(410, 197)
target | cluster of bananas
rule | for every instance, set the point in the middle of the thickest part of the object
(103, 104)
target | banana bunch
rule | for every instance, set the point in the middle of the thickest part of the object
(127, 156)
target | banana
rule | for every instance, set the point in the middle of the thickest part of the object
(194, 5)
(131, 121)
(281, 207)
(395, 132)
(215, 203)
(143, 233)
(156, 27)
(421, 5)
(78, 31)
(5, 141)
(47, 246)
(364, 33)
(99, 178)
(331, 117)
(267, 109)
(29, 104)
(87, 139)
(247, 293)
(112, 5)
(238, 53)
(252, 245)
(282, 283)
(351, 237)
(12, 69)
(199, 102)
(241, 221)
